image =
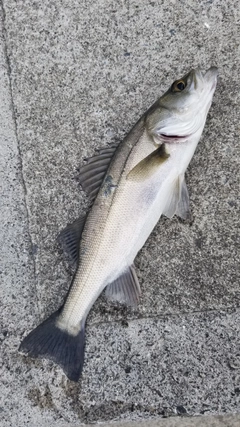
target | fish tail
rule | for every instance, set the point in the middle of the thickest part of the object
(50, 342)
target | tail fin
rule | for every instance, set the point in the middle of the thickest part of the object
(50, 342)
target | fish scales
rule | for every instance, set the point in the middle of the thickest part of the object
(100, 245)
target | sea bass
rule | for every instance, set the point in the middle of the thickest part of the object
(131, 186)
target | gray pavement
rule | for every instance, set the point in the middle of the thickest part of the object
(75, 76)
(209, 421)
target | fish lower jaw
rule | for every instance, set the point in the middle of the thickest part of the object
(174, 138)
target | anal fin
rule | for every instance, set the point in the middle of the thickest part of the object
(125, 289)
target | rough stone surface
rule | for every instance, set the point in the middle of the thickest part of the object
(75, 76)
(216, 421)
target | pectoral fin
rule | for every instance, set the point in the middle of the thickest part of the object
(178, 200)
(148, 166)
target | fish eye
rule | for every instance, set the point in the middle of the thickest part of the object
(178, 86)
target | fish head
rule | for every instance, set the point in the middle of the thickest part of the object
(182, 110)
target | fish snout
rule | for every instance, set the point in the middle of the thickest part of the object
(211, 76)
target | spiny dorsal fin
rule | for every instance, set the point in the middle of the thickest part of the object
(69, 238)
(92, 173)
(178, 200)
(125, 289)
(148, 166)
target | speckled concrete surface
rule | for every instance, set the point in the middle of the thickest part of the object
(81, 74)
(216, 421)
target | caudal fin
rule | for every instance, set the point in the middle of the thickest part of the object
(50, 342)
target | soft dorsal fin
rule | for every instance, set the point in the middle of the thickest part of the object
(69, 238)
(91, 177)
(125, 289)
(92, 173)
(146, 167)
(178, 200)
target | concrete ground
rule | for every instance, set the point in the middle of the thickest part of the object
(76, 75)
(203, 421)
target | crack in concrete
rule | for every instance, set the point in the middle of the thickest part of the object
(14, 118)
(216, 311)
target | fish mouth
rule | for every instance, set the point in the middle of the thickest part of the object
(173, 138)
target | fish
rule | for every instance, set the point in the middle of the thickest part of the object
(130, 185)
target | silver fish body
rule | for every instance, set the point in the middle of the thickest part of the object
(142, 180)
